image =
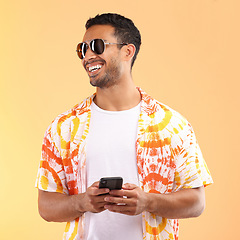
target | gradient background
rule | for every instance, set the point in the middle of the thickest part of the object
(189, 60)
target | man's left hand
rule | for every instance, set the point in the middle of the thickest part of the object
(131, 200)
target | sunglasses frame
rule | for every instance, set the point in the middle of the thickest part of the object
(80, 46)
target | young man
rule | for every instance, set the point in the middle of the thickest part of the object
(119, 131)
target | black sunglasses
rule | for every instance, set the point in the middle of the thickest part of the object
(96, 45)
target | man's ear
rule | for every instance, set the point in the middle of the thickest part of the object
(129, 51)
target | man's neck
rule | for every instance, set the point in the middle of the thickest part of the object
(119, 97)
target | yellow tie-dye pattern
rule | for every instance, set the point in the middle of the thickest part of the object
(206, 167)
(158, 229)
(177, 179)
(67, 227)
(44, 182)
(160, 126)
(64, 144)
(75, 230)
(171, 236)
(76, 123)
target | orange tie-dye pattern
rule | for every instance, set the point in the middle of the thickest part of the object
(168, 159)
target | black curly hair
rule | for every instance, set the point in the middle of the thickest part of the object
(125, 30)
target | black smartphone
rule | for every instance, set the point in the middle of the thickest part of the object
(112, 183)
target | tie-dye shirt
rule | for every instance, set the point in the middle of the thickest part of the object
(168, 159)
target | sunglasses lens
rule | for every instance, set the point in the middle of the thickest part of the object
(97, 46)
(79, 52)
(80, 48)
(84, 48)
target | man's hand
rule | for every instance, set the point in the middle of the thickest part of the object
(59, 207)
(93, 199)
(131, 200)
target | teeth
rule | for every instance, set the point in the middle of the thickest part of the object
(93, 68)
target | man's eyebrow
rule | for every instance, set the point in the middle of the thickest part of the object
(105, 40)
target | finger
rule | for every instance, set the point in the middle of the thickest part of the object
(101, 199)
(98, 209)
(98, 203)
(122, 201)
(121, 209)
(98, 191)
(122, 193)
(129, 186)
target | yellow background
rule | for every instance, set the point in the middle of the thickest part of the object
(189, 60)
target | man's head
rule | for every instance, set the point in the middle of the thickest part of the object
(124, 29)
(109, 48)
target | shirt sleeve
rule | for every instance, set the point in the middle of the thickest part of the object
(191, 168)
(51, 175)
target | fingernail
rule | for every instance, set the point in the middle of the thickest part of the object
(106, 199)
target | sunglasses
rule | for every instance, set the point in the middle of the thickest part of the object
(96, 45)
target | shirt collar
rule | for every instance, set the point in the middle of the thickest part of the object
(148, 104)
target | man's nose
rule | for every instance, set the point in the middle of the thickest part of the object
(89, 54)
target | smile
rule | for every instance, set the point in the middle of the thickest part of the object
(94, 68)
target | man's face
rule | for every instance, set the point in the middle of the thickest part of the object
(108, 64)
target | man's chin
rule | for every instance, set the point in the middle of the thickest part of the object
(100, 83)
(93, 84)
(94, 80)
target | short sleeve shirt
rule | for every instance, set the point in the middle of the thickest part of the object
(168, 159)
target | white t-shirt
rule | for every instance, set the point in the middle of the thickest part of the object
(111, 152)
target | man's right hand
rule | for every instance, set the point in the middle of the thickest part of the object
(93, 199)
(59, 207)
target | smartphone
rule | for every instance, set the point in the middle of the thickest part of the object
(112, 183)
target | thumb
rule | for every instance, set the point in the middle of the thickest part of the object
(95, 184)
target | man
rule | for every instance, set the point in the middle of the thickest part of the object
(119, 131)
